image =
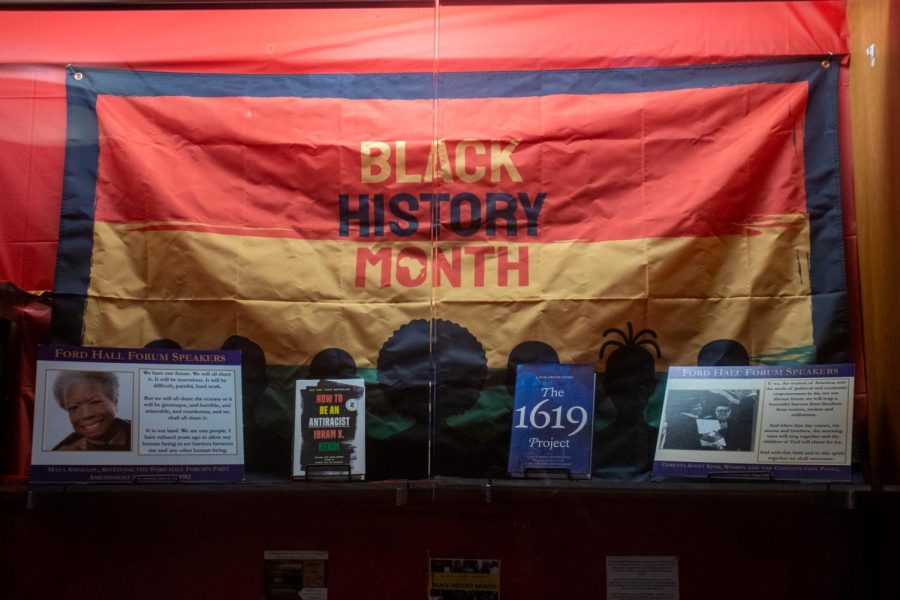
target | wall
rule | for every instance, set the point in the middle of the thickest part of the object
(875, 92)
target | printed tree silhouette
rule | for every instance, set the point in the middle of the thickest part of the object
(625, 448)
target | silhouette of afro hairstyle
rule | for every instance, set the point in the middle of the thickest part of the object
(253, 366)
(723, 353)
(335, 363)
(408, 363)
(526, 353)
(408, 360)
(163, 343)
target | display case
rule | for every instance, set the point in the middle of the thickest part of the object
(419, 197)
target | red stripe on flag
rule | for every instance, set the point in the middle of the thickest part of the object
(698, 162)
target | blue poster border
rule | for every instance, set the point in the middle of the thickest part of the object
(776, 472)
(93, 474)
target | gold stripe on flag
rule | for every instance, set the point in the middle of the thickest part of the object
(295, 297)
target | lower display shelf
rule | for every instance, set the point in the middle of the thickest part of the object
(550, 539)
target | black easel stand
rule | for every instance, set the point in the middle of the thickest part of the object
(739, 476)
(156, 479)
(327, 472)
(535, 473)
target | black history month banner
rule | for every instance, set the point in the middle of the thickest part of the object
(426, 231)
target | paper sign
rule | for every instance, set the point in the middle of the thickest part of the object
(778, 422)
(642, 578)
(119, 415)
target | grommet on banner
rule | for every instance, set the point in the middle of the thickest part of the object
(826, 64)
(78, 75)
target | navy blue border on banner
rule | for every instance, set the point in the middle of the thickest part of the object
(821, 159)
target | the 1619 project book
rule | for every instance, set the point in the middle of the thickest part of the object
(552, 428)
(330, 428)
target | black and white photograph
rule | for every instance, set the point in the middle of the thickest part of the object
(710, 419)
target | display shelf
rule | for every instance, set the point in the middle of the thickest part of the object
(444, 491)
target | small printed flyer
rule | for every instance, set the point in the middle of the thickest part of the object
(642, 578)
(552, 427)
(295, 574)
(330, 428)
(463, 579)
(123, 415)
(778, 422)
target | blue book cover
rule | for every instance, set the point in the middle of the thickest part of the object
(552, 428)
